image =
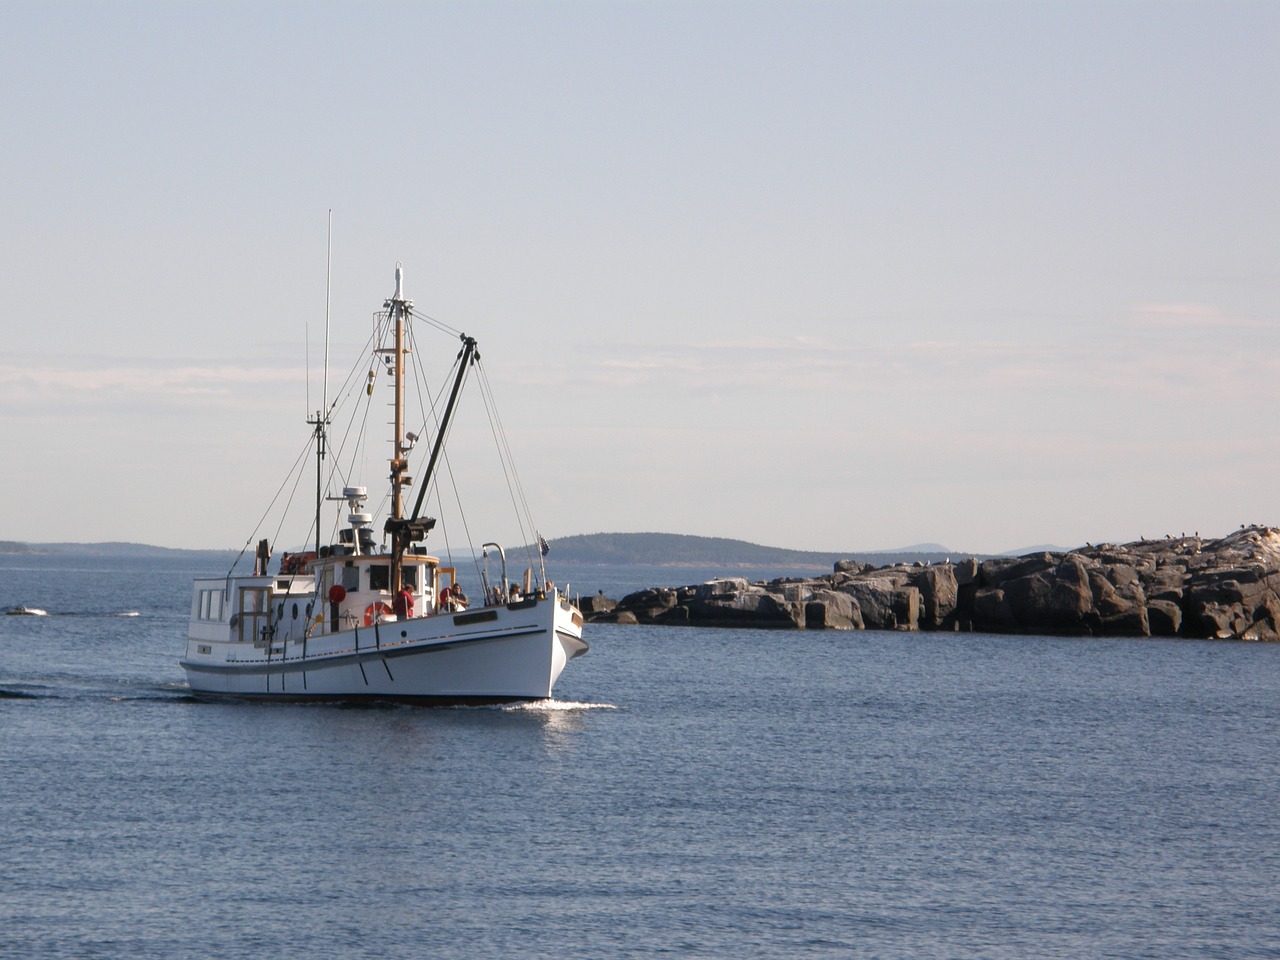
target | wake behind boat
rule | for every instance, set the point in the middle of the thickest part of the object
(358, 620)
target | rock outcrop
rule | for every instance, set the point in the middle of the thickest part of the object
(1228, 588)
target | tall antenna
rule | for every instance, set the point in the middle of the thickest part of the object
(322, 415)
(328, 273)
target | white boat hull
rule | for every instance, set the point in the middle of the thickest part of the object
(496, 654)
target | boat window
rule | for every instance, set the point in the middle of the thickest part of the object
(379, 576)
(295, 611)
(409, 578)
(351, 578)
(210, 605)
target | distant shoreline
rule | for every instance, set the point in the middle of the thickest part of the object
(11, 548)
(673, 550)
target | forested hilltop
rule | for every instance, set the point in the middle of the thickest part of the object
(675, 549)
(110, 549)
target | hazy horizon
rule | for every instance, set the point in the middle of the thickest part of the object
(922, 547)
(815, 274)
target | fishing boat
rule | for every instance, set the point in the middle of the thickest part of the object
(382, 619)
(24, 611)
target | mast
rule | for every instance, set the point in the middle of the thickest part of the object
(320, 421)
(404, 530)
(322, 415)
(328, 287)
(399, 308)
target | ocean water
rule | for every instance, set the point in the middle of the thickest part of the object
(689, 793)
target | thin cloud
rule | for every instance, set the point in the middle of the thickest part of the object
(25, 383)
(820, 371)
(1191, 316)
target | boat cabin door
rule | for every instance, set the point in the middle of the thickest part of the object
(254, 613)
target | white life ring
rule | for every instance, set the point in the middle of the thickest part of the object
(376, 612)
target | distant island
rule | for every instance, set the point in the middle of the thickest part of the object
(682, 550)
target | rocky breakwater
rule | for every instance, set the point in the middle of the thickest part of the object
(1228, 588)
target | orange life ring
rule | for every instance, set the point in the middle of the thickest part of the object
(376, 611)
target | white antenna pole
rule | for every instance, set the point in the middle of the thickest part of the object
(328, 273)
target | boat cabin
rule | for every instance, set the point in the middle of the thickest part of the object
(327, 595)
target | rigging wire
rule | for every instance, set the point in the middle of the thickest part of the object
(438, 324)
(344, 460)
(520, 504)
(341, 399)
(447, 463)
(348, 389)
(285, 512)
(514, 487)
(353, 444)
(296, 468)
(420, 374)
(424, 390)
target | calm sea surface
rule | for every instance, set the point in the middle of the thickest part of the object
(690, 793)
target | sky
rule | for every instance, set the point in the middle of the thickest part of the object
(818, 275)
